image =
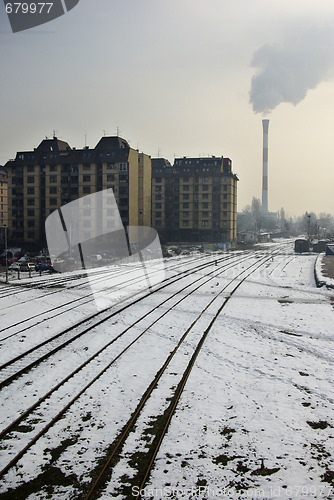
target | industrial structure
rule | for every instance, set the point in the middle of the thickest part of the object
(265, 207)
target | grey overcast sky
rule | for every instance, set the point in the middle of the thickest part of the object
(184, 78)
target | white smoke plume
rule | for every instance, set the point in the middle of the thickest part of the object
(286, 73)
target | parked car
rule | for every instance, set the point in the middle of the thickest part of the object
(44, 266)
(10, 259)
(23, 266)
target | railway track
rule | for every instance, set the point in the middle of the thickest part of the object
(60, 280)
(67, 385)
(137, 483)
(72, 303)
(19, 364)
(14, 372)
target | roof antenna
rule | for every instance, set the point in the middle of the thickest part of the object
(85, 139)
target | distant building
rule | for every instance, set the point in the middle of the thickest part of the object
(248, 237)
(53, 174)
(195, 200)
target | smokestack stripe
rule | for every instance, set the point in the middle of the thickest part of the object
(265, 125)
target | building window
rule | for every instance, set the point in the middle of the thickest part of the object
(158, 215)
(30, 190)
(30, 180)
(31, 201)
(53, 201)
(30, 168)
(31, 234)
(31, 223)
(110, 177)
(158, 179)
(158, 205)
(185, 188)
(53, 190)
(205, 179)
(205, 187)
(185, 205)
(158, 188)
(158, 197)
(205, 205)
(53, 178)
(224, 196)
(185, 223)
(205, 214)
(205, 223)
(53, 168)
(86, 178)
(31, 212)
(186, 196)
(185, 214)
(86, 189)
(86, 167)
(205, 196)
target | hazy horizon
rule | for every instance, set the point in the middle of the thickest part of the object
(185, 78)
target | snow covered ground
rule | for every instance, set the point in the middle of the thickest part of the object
(260, 390)
(255, 419)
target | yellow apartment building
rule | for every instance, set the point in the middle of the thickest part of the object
(54, 174)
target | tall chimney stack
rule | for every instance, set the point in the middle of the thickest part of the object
(265, 125)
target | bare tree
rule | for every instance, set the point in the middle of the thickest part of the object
(256, 209)
(310, 225)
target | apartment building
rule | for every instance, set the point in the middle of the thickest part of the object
(3, 198)
(54, 174)
(195, 199)
(3, 206)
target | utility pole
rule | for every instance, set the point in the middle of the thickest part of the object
(309, 226)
